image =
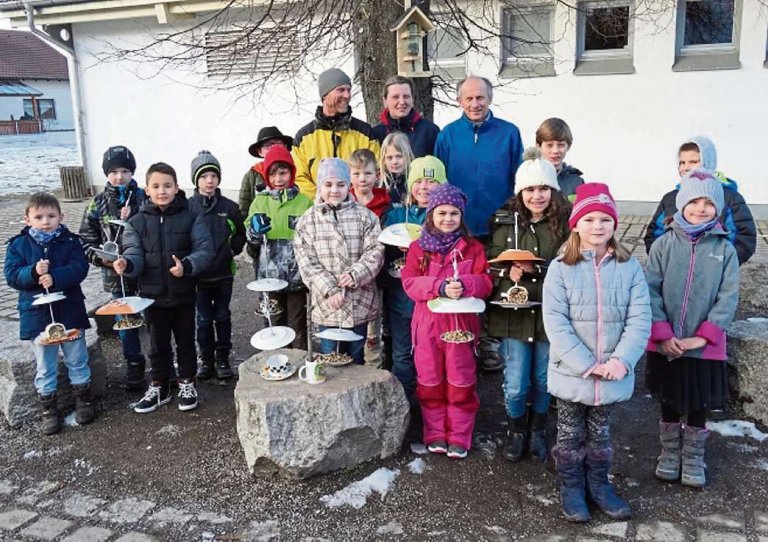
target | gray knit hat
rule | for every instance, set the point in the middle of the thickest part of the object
(700, 183)
(330, 79)
(203, 163)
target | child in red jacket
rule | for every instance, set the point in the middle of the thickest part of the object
(446, 262)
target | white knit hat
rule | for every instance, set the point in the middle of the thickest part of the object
(535, 171)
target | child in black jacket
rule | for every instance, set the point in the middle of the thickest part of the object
(165, 247)
(214, 287)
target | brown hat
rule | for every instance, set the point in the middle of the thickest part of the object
(265, 134)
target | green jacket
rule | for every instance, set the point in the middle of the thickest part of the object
(521, 324)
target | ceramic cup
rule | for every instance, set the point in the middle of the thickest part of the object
(312, 372)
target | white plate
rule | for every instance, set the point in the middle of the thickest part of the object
(72, 334)
(504, 305)
(336, 334)
(106, 256)
(45, 299)
(125, 305)
(137, 323)
(445, 305)
(272, 338)
(267, 285)
(469, 338)
(118, 222)
(400, 235)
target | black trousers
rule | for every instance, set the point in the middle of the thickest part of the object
(179, 321)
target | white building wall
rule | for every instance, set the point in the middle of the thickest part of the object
(626, 127)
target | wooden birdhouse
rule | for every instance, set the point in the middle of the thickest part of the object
(410, 31)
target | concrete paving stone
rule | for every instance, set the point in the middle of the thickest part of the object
(33, 494)
(89, 534)
(126, 510)
(660, 530)
(703, 535)
(47, 528)
(170, 515)
(761, 521)
(7, 487)
(612, 529)
(723, 520)
(134, 536)
(212, 517)
(82, 506)
(13, 519)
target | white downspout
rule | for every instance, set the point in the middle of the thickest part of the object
(73, 67)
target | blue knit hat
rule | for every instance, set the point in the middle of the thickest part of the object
(699, 183)
(707, 151)
(332, 168)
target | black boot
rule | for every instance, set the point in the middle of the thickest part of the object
(205, 368)
(537, 446)
(223, 369)
(570, 470)
(134, 374)
(51, 421)
(601, 491)
(515, 444)
(85, 410)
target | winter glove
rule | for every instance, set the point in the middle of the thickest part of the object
(261, 224)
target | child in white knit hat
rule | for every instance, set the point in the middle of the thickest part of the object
(542, 226)
(691, 312)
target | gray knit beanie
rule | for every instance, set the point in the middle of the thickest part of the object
(699, 183)
(330, 79)
(203, 163)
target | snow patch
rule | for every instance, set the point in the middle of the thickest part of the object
(70, 420)
(356, 493)
(737, 428)
(742, 447)
(762, 464)
(392, 527)
(32, 454)
(417, 466)
(170, 430)
(419, 448)
(86, 466)
(495, 529)
(486, 445)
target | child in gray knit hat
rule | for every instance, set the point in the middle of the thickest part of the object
(691, 310)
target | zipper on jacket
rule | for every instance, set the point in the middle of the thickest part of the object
(162, 255)
(599, 342)
(474, 130)
(688, 282)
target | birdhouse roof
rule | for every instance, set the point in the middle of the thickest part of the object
(414, 15)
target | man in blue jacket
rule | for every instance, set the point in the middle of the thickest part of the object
(481, 154)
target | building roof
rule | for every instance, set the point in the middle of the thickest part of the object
(24, 56)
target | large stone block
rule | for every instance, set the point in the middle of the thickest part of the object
(748, 352)
(300, 430)
(18, 398)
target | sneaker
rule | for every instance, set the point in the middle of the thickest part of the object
(437, 447)
(157, 395)
(456, 452)
(187, 394)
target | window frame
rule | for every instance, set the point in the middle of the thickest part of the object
(715, 56)
(610, 61)
(534, 64)
(34, 105)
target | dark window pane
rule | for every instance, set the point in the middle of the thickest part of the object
(28, 109)
(708, 22)
(606, 28)
(47, 109)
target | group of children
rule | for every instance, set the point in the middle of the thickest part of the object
(593, 313)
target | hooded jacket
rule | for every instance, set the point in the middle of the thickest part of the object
(736, 217)
(328, 137)
(68, 268)
(274, 251)
(95, 228)
(694, 288)
(331, 241)
(421, 132)
(223, 219)
(153, 236)
(380, 201)
(254, 181)
(482, 161)
(594, 311)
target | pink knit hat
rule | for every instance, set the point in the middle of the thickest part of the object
(593, 197)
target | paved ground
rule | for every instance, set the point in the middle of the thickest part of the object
(182, 476)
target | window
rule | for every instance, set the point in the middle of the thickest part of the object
(46, 108)
(605, 36)
(526, 41)
(445, 51)
(707, 35)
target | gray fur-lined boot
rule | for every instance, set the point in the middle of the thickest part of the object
(668, 464)
(694, 468)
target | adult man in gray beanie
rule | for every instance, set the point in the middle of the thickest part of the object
(334, 133)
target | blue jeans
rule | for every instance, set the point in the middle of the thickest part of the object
(129, 339)
(353, 348)
(525, 366)
(402, 352)
(75, 358)
(213, 311)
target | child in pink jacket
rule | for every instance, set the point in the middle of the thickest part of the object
(445, 372)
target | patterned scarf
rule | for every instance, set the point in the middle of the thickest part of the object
(44, 238)
(693, 231)
(433, 240)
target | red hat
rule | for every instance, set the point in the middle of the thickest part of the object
(593, 197)
(278, 153)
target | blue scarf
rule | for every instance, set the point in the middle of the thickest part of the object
(44, 238)
(693, 231)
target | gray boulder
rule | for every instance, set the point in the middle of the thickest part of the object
(748, 352)
(300, 430)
